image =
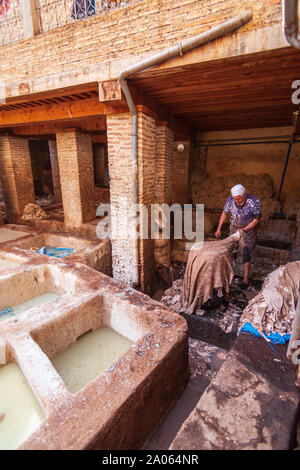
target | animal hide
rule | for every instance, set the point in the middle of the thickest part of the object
(208, 269)
(273, 309)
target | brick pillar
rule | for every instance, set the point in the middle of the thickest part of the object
(75, 158)
(163, 193)
(99, 163)
(16, 176)
(55, 170)
(146, 164)
(121, 191)
(181, 161)
(120, 170)
(164, 164)
(1, 217)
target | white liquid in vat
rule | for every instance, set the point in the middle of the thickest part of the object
(20, 413)
(7, 234)
(92, 354)
(29, 304)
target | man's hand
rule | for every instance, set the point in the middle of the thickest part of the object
(218, 233)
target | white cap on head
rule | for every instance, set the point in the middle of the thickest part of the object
(238, 190)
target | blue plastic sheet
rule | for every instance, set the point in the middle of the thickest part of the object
(7, 312)
(55, 251)
(275, 338)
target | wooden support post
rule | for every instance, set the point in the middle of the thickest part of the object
(110, 90)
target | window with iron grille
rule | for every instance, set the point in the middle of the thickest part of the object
(52, 14)
(11, 26)
(82, 9)
(56, 13)
(4, 7)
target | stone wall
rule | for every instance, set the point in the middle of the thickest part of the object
(252, 159)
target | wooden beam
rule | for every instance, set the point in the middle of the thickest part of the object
(59, 112)
(89, 88)
(30, 18)
(160, 114)
(99, 138)
(110, 90)
(96, 124)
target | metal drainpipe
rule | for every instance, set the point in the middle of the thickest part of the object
(290, 22)
(178, 50)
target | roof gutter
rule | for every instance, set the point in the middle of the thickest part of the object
(290, 22)
(178, 50)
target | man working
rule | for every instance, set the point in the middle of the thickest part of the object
(245, 212)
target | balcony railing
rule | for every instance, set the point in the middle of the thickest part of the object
(11, 25)
(52, 14)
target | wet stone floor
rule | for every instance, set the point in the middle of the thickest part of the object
(204, 362)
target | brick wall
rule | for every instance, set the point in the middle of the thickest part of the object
(141, 28)
(75, 157)
(55, 170)
(16, 176)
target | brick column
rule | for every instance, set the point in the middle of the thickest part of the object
(121, 191)
(163, 193)
(1, 217)
(75, 158)
(120, 170)
(164, 164)
(55, 170)
(16, 176)
(181, 173)
(99, 164)
(146, 166)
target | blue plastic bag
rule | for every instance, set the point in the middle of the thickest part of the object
(55, 251)
(275, 338)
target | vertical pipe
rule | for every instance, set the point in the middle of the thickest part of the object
(285, 168)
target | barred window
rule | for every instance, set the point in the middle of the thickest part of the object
(82, 9)
(4, 7)
(11, 26)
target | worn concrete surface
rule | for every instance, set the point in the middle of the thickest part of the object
(251, 404)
